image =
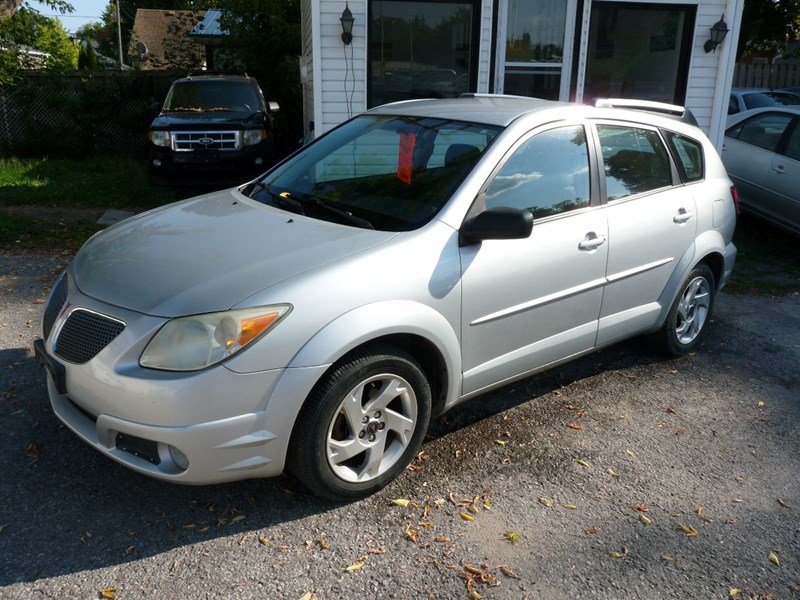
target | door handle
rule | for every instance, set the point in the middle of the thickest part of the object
(592, 242)
(682, 216)
(779, 169)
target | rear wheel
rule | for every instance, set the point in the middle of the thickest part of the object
(362, 424)
(689, 314)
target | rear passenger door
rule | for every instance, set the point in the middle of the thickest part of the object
(651, 226)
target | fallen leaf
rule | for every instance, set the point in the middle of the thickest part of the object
(513, 536)
(546, 501)
(441, 539)
(237, 518)
(643, 518)
(3, 527)
(688, 530)
(506, 570)
(760, 403)
(612, 472)
(501, 442)
(773, 558)
(473, 570)
(264, 541)
(109, 593)
(401, 502)
(466, 516)
(781, 501)
(308, 596)
(410, 532)
(575, 426)
(640, 507)
(630, 453)
(487, 504)
(591, 530)
(323, 544)
(129, 550)
(615, 554)
(355, 567)
(474, 595)
(733, 592)
(569, 506)
(582, 463)
(670, 410)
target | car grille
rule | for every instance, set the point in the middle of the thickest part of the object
(84, 334)
(57, 299)
(187, 141)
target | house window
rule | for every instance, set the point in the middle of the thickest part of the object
(535, 47)
(639, 51)
(421, 49)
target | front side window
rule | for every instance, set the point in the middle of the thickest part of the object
(547, 175)
(383, 172)
(764, 130)
(635, 160)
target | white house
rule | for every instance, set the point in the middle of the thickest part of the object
(557, 49)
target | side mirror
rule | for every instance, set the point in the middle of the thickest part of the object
(501, 223)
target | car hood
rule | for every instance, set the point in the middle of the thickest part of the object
(208, 254)
(194, 119)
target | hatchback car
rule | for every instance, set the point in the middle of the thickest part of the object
(762, 156)
(743, 99)
(416, 256)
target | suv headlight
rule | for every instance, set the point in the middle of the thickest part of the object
(159, 138)
(253, 136)
(199, 341)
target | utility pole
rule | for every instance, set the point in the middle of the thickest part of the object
(119, 37)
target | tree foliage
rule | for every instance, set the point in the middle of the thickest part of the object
(767, 25)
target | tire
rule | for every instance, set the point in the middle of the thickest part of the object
(361, 425)
(690, 312)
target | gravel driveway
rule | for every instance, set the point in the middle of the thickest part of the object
(621, 475)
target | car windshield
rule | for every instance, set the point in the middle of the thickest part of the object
(222, 95)
(383, 172)
(763, 99)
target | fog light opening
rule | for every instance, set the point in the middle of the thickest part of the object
(156, 162)
(179, 458)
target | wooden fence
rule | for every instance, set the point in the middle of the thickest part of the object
(749, 75)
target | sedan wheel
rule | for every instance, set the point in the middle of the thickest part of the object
(362, 424)
(689, 313)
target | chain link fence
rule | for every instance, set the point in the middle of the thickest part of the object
(80, 115)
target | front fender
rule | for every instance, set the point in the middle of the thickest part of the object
(372, 321)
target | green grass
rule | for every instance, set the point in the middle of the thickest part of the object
(96, 183)
(30, 234)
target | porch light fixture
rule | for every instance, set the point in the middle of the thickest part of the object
(718, 32)
(347, 25)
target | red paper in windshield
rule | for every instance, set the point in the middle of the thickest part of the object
(405, 160)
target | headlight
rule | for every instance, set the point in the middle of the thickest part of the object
(199, 341)
(253, 136)
(159, 138)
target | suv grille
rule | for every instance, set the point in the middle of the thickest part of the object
(84, 334)
(187, 141)
(57, 300)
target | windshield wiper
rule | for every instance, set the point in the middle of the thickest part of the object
(321, 204)
(283, 200)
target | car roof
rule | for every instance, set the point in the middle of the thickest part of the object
(746, 114)
(502, 110)
(761, 91)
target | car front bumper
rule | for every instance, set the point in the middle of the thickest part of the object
(202, 427)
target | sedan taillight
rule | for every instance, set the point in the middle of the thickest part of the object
(736, 201)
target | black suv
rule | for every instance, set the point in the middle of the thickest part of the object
(212, 128)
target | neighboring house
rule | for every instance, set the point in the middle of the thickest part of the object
(160, 40)
(9, 7)
(213, 37)
(556, 49)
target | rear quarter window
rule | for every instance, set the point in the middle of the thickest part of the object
(688, 155)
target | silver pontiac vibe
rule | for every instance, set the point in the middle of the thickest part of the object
(416, 256)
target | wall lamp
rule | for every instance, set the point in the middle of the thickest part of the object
(718, 32)
(347, 25)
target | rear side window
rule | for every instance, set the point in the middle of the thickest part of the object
(764, 130)
(635, 160)
(689, 156)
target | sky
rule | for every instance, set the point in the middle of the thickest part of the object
(86, 11)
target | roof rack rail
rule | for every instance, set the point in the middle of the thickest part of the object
(485, 95)
(674, 111)
(203, 72)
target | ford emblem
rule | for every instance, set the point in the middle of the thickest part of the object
(205, 141)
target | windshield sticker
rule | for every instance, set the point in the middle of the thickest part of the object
(405, 160)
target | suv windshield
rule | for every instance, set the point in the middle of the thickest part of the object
(392, 173)
(197, 95)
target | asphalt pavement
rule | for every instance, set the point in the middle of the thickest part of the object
(624, 474)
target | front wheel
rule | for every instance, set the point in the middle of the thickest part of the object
(362, 424)
(690, 311)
